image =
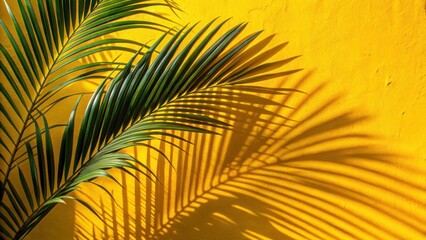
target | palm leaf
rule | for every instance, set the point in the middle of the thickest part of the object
(42, 41)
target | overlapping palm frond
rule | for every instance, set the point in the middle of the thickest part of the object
(177, 90)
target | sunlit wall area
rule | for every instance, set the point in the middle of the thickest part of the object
(338, 153)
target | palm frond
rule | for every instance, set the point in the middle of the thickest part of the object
(42, 42)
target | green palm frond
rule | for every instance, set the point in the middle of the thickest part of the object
(159, 95)
(43, 41)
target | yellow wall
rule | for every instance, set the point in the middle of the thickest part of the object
(351, 167)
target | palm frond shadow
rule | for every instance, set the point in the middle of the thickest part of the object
(309, 175)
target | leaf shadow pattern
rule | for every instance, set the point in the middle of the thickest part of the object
(312, 174)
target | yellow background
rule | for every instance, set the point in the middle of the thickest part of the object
(365, 61)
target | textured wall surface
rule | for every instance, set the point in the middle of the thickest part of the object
(352, 165)
(373, 51)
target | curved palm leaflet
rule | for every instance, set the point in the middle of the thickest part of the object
(163, 91)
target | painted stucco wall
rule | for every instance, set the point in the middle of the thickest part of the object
(364, 74)
(373, 51)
